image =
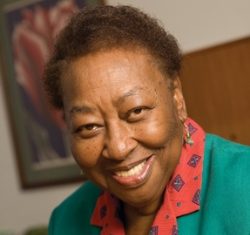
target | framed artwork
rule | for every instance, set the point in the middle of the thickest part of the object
(28, 29)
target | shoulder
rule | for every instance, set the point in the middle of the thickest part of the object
(86, 193)
(216, 145)
(225, 205)
(72, 216)
(224, 158)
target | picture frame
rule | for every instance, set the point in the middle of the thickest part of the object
(27, 32)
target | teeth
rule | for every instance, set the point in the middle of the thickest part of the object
(131, 172)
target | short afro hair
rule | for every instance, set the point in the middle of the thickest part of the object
(105, 28)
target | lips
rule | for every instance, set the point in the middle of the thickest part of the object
(136, 175)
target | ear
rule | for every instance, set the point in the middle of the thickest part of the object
(179, 99)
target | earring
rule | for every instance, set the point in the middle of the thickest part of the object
(187, 136)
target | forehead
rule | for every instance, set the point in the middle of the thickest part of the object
(114, 72)
(112, 62)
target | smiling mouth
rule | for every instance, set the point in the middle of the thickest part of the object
(133, 171)
(136, 175)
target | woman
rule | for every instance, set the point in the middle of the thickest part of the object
(114, 73)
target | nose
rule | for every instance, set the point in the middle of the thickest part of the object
(119, 142)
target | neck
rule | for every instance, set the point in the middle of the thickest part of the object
(139, 220)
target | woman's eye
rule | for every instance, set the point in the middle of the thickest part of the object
(137, 110)
(88, 130)
(90, 127)
(136, 114)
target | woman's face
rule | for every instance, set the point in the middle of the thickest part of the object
(124, 125)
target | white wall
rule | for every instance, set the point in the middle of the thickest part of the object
(195, 23)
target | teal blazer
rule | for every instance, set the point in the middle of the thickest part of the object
(225, 197)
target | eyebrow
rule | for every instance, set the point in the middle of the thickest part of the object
(80, 110)
(131, 92)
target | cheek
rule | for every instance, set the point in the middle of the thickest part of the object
(155, 134)
(158, 131)
(86, 153)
